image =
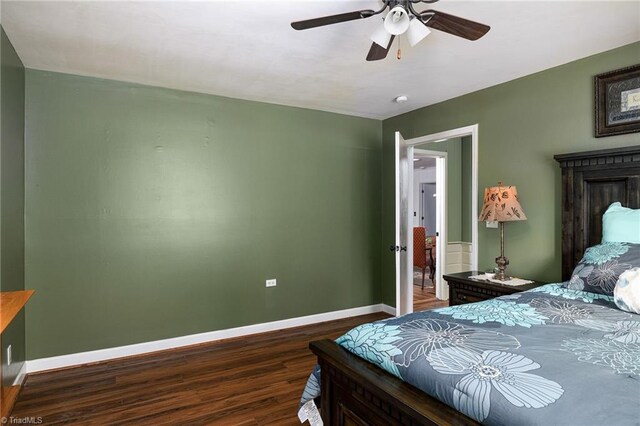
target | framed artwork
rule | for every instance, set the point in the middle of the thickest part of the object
(618, 102)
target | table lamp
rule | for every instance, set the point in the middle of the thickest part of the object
(501, 205)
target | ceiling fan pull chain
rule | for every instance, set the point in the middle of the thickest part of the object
(399, 54)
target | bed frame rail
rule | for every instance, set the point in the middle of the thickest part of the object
(355, 392)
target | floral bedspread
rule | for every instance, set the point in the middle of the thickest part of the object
(548, 356)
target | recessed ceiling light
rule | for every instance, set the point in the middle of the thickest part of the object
(400, 99)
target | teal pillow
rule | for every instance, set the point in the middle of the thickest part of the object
(621, 225)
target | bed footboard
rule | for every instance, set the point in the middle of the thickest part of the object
(355, 392)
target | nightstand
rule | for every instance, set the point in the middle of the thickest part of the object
(463, 290)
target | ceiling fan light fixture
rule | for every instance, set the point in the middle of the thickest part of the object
(381, 36)
(397, 21)
(417, 31)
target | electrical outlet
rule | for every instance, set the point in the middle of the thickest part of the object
(271, 283)
(9, 355)
(492, 224)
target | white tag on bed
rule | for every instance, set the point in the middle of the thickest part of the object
(310, 412)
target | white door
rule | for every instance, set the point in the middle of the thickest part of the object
(442, 291)
(404, 240)
(428, 207)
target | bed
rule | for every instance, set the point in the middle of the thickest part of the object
(354, 391)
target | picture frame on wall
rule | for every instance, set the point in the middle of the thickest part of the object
(617, 104)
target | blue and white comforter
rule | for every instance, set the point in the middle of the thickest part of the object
(548, 356)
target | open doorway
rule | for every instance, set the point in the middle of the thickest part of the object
(405, 220)
(429, 192)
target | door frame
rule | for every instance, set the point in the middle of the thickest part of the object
(407, 287)
(441, 214)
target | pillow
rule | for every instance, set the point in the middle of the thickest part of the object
(601, 266)
(626, 294)
(621, 224)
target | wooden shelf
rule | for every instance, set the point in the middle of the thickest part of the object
(11, 302)
(9, 397)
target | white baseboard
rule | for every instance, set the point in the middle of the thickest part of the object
(19, 380)
(388, 309)
(80, 358)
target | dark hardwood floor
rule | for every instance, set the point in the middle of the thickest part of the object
(425, 299)
(253, 380)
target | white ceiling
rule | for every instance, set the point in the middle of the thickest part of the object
(420, 162)
(247, 50)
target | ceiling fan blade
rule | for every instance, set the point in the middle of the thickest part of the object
(454, 25)
(378, 52)
(332, 19)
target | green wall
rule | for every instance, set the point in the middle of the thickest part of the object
(522, 124)
(12, 80)
(155, 213)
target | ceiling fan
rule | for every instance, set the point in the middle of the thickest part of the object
(402, 17)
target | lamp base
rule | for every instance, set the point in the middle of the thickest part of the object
(502, 263)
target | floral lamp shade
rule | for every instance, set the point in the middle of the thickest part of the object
(501, 205)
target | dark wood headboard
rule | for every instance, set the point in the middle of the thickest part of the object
(591, 181)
